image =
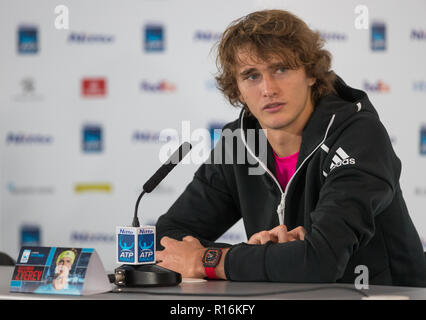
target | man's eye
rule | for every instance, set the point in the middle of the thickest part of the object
(281, 69)
(253, 76)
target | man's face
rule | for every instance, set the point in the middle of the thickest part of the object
(278, 97)
(64, 265)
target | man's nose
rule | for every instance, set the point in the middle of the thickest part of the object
(269, 86)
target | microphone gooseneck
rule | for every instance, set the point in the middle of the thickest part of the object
(161, 173)
(135, 222)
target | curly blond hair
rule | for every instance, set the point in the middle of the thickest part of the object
(276, 33)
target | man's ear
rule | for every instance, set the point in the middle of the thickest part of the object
(311, 81)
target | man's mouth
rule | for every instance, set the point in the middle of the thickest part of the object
(275, 106)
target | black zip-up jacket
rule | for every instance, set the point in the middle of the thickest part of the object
(345, 193)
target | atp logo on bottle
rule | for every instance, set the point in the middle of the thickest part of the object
(146, 245)
(126, 245)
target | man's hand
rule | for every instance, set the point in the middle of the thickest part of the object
(278, 235)
(183, 256)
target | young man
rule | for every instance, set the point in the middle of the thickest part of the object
(64, 264)
(329, 199)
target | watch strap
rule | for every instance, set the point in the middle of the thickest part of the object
(210, 273)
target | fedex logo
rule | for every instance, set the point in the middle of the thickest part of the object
(162, 86)
(379, 86)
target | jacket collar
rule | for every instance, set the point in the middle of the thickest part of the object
(344, 104)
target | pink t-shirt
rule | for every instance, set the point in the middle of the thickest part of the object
(285, 168)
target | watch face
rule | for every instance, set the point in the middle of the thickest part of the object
(211, 257)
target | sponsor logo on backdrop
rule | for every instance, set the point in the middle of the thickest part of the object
(93, 87)
(28, 91)
(21, 138)
(28, 40)
(333, 36)
(14, 189)
(162, 86)
(419, 86)
(215, 129)
(153, 38)
(378, 38)
(30, 236)
(423, 140)
(418, 34)
(93, 187)
(85, 236)
(379, 86)
(161, 189)
(207, 35)
(148, 136)
(92, 139)
(89, 38)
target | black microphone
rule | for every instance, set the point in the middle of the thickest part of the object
(161, 173)
(147, 275)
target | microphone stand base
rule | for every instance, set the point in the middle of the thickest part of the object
(146, 275)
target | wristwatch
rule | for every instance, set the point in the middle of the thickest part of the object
(211, 259)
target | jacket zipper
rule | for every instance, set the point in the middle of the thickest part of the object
(281, 205)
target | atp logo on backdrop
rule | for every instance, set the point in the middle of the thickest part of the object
(92, 139)
(28, 40)
(94, 87)
(215, 129)
(30, 235)
(423, 140)
(153, 37)
(378, 36)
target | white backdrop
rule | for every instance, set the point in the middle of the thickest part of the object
(71, 189)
